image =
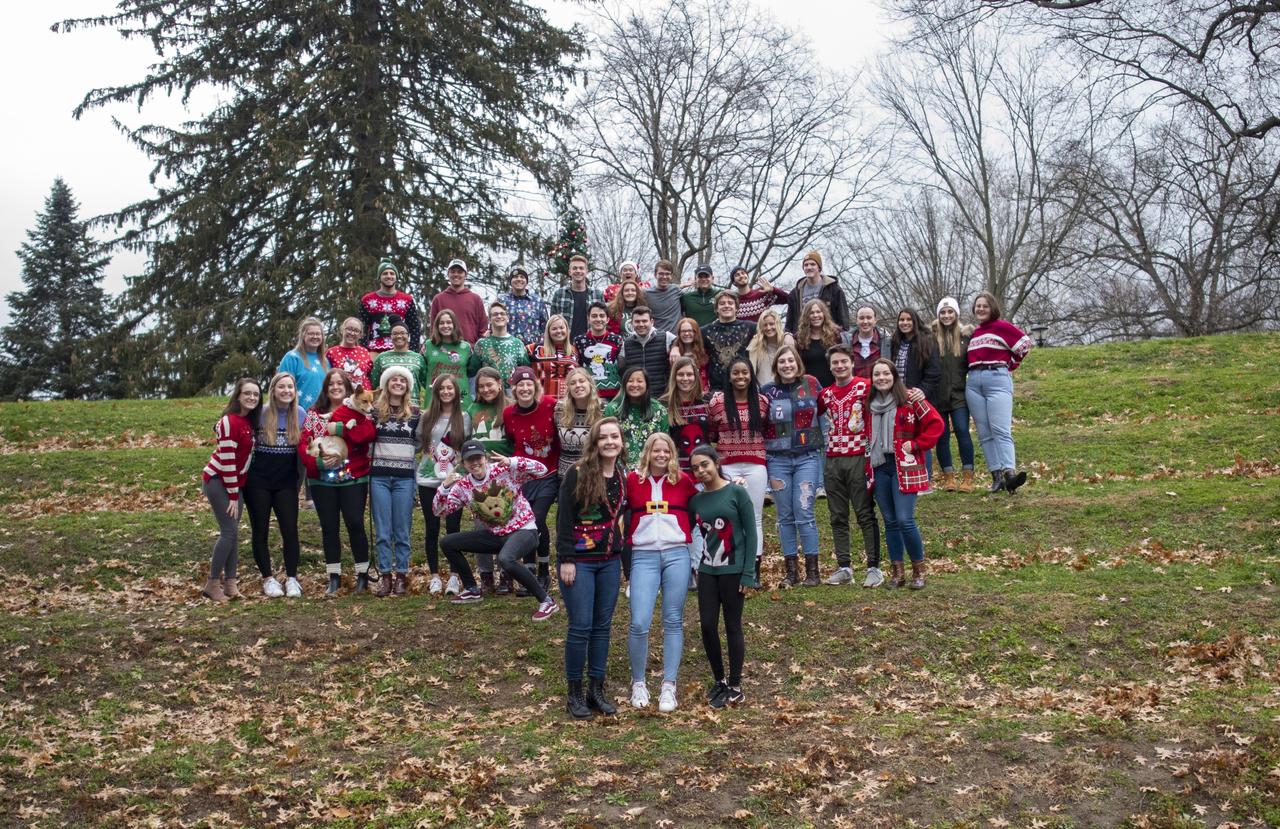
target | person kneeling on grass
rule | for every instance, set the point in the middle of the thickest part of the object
(491, 488)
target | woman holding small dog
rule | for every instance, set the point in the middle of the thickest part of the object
(335, 453)
(223, 477)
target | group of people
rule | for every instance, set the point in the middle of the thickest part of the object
(658, 418)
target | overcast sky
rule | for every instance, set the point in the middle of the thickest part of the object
(48, 74)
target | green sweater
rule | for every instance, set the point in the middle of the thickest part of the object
(411, 360)
(483, 429)
(727, 520)
(447, 358)
(501, 353)
(637, 426)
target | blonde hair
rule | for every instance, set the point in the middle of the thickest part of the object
(673, 391)
(566, 407)
(760, 348)
(267, 422)
(950, 338)
(548, 347)
(829, 333)
(673, 462)
(301, 348)
(382, 404)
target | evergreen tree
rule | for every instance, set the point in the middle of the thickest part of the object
(51, 344)
(347, 131)
(572, 242)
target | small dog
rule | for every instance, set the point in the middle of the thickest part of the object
(332, 448)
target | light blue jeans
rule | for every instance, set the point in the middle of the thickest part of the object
(650, 570)
(392, 502)
(990, 398)
(794, 480)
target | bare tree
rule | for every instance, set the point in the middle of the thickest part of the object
(720, 124)
(619, 232)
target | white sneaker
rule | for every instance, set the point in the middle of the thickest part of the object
(667, 698)
(875, 578)
(436, 587)
(639, 695)
(627, 590)
(842, 575)
(821, 493)
(928, 491)
(271, 588)
(454, 587)
(292, 588)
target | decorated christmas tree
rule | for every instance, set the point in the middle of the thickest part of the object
(572, 241)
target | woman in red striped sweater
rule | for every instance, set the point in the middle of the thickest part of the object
(223, 477)
(996, 349)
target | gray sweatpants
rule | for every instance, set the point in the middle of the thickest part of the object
(226, 550)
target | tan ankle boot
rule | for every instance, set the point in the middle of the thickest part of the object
(948, 481)
(966, 481)
(231, 589)
(917, 575)
(213, 590)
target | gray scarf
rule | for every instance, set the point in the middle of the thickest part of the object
(883, 409)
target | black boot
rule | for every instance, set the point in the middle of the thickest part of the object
(792, 577)
(811, 576)
(335, 581)
(576, 704)
(997, 482)
(1013, 480)
(597, 699)
(362, 584)
(759, 584)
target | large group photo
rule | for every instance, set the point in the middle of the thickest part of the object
(550, 438)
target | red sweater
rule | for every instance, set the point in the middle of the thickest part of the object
(921, 424)
(359, 440)
(755, 302)
(534, 434)
(229, 462)
(661, 503)
(355, 361)
(469, 308)
(738, 445)
(998, 343)
(850, 416)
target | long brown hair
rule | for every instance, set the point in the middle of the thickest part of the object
(566, 407)
(591, 489)
(322, 404)
(437, 339)
(699, 349)
(923, 337)
(233, 405)
(673, 391)
(267, 419)
(504, 400)
(618, 306)
(457, 429)
(829, 333)
(899, 391)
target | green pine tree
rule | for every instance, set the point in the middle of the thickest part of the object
(572, 241)
(347, 131)
(51, 346)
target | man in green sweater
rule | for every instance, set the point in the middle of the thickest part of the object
(700, 302)
(499, 350)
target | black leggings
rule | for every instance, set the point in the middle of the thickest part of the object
(714, 593)
(347, 503)
(452, 524)
(542, 493)
(260, 503)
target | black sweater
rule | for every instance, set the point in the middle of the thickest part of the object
(591, 534)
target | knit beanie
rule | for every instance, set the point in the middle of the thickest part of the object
(395, 371)
(948, 302)
(523, 373)
(814, 257)
(384, 264)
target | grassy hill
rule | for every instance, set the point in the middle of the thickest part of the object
(1098, 650)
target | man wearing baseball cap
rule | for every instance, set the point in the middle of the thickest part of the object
(699, 302)
(526, 312)
(462, 301)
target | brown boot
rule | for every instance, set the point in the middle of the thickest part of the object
(811, 577)
(966, 481)
(897, 575)
(917, 575)
(792, 577)
(384, 586)
(948, 481)
(231, 589)
(486, 583)
(400, 584)
(213, 590)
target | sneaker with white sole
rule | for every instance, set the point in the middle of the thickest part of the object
(627, 590)
(271, 588)
(454, 587)
(469, 596)
(546, 610)
(842, 575)
(436, 587)
(667, 698)
(874, 578)
(639, 695)
(292, 588)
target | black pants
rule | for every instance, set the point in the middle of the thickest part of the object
(717, 593)
(541, 494)
(452, 524)
(510, 549)
(260, 503)
(345, 503)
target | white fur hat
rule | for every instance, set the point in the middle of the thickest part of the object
(396, 371)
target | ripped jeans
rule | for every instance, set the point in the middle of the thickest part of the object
(794, 480)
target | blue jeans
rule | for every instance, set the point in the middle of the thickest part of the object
(650, 570)
(990, 398)
(589, 602)
(956, 420)
(794, 480)
(392, 503)
(899, 511)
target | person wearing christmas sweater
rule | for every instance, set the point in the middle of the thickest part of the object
(446, 352)
(588, 546)
(688, 342)
(639, 413)
(378, 307)
(340, 487)
(688, 411)
(659, 534)
(996, 349)
(489, 485)
(739, 413)
(726, 338)
(754, 301)
(527, 312)
(573, 300)
(722, 514)
(306, 361)
(500, 349)
(530, 423)
(599, 350)
(627, 298)
(221, 481)
(843, 406)
(391, 477)
(901, 432)
(793, 457)
(399, 355)
(351, 356)
(575, 414)
(445, 425)
(553, 357)
(485, 416)
(465, 303)
(272, 484)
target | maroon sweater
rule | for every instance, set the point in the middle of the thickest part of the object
(469, 308)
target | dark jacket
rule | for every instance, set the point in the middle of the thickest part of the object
(830, 293)
(952, 373)
(653, 357)
(923, 376)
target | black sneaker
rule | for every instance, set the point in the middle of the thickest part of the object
(716, 693)
(733, 696)
(470, 595)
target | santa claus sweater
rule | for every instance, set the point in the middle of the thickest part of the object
(599, 355)
(230, 460)
(533, 433)
(849, 416)
(495, 500)
(376, 312)
(658, 516)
